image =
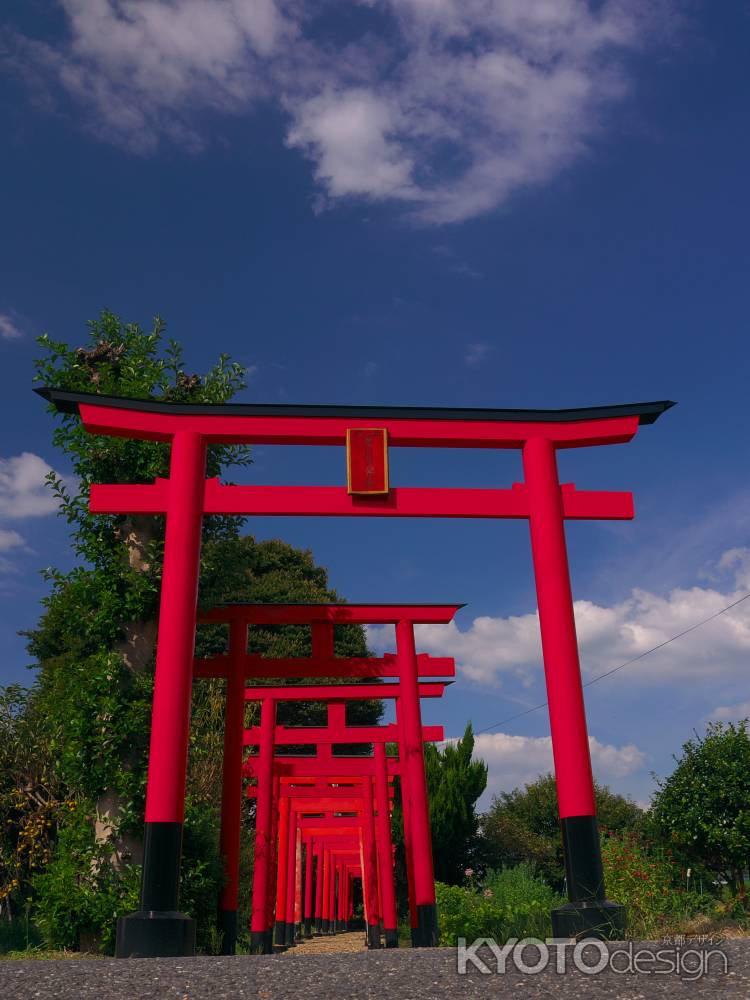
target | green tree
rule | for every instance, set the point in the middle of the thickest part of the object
(523, 825)
(95, 642)
(454, 783)
(702, 810)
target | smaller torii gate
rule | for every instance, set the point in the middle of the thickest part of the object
(410, 739)
(238, 666)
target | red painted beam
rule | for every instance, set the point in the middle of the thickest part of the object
(417, 432)
(336, 769)
(262, 667)
(340, 692)
(338, 614)
(293, 736)
(335, 501)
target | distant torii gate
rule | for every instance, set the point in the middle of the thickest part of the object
(367, 433)
(337, 769)
(237, 666)
(410, 735)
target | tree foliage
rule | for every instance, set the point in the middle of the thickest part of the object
(523, 825)
(74, 745)
(702, 810)
(454, 782)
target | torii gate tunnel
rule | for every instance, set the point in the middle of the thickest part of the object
(367, 434)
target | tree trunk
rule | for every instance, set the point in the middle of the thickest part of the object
(137, 649)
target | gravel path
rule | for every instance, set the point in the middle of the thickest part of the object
(329, 944)
(386, 975)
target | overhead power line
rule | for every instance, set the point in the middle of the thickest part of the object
(608, 673)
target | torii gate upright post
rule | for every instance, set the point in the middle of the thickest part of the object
(419, 810)
(319, 891)
(308, 915)
(260, 931)
(281, 871)
(385, 849)
(370, 870)
(158, 928)
(231, 797)
(588, 908)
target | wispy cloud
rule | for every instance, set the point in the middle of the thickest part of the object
(448, 107)
(476, 354)
(10, 328)
(513, 761)
(23, 492)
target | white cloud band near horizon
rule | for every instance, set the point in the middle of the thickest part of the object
(447, 107)
(493, 650)
(515, 761)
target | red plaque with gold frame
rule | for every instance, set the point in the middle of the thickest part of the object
(367, 461)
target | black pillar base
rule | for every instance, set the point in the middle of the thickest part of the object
(227, 924)
(373, 935)
(261, 942)
(318, 925)
(158, 929)
(415, 937)
(279, 933)
(289, 935)
(324, 926)
(308, 928)
(155, 934)
(391, 938)
(597, 918)
(589, 913)
(428, 935)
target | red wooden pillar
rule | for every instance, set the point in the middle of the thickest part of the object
(273, 863)
(281, 870)
(309, 853)
(370, 871)
(319, 890)
(413, 756)
(385, 849)
(260, 926)
(588, 909)
(231, 792)
(291, 877)
(298, 886)
(158, 929)
(332, 894)
(406, 815)
(326, 901)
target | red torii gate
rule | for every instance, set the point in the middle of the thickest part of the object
(410, 735)
(348, 806)
(334, 769)
(237, 666)
(367, 433)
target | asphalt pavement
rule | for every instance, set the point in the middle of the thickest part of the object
(405, 974)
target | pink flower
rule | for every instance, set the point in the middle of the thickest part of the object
(468, 872)
(488, 893)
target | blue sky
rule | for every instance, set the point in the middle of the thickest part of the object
(424, 202)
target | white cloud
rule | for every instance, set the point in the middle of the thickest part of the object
(494, 648)
(731, 713)
(10, 540)
(513, 761)
(447, 106)
(23, 492)
(475, 354)
(9, 328)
